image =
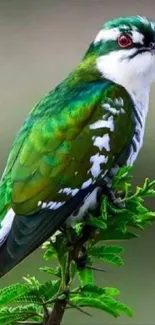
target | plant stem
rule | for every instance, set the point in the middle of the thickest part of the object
(55, 317)
(57, 313)
(28, 323)
(60, 305)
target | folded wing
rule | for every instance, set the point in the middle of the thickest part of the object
(67, 143)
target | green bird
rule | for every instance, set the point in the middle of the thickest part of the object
(76, 138)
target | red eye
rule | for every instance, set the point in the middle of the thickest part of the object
(124, 41)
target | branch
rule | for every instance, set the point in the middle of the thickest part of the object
(55, 317)
(29, 323)
(79, 309)
(95, 268)
(57, 313)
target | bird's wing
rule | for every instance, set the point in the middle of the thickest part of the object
(63, 147)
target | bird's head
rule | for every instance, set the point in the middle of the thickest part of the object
(124, 51)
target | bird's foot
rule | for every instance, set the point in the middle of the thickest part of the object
(108, 191)
(82, 259)
(115, 200)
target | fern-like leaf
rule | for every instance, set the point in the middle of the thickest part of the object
(108, 254)
(93, 290)
(12, 293)
(10, 315)
(52, 271)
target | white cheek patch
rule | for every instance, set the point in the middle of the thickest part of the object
(132, 74)
(107, 34)
(115, 66)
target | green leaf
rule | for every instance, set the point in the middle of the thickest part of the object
(104, 207)
(78, 228)
(149, 215)
(28, 298)
(50, 250)
(111, 291)
(52, 271)
(94, 303)
(49, 254)
(94, 290)
(107, 253)
(117, 305)
(127, 189)
(122, 176)
(111, 249)
(148, 188)
(123, 172)
(86, 276)
(97, 223)
(101, 250)
(14, 291)
(32, 281)
(107, 303)
(44, 292)
(49, 289)
(124, 309)
(10, 316)
(115, 235)
(113, 259)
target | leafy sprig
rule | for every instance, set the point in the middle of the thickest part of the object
(76, 252)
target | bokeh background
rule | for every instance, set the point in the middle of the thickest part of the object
(41, 41)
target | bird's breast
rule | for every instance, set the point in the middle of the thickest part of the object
(140, 114)
(89, 204)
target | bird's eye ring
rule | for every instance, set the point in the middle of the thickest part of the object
(124, 40)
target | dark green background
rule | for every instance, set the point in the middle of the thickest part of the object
(41, 41)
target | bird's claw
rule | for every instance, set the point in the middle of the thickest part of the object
(108, 191)
(118, 203)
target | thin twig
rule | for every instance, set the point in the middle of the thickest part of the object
(79, 309)
(60, 305)
(55, 317)
(29, 323)
(95, 268)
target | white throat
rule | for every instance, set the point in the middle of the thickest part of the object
(132, 74)
(129, 74)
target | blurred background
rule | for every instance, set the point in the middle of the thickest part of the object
(41, 41)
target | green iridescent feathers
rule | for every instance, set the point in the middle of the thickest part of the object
(53, 148)
(123, 24)
(143, 24)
